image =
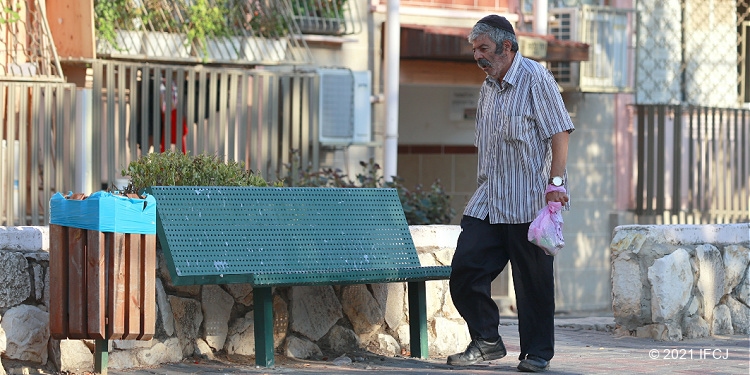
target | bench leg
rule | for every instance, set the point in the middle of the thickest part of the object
(418, 319)
(263, 319)
(101, 356)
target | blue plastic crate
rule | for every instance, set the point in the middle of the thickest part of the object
(105, 212)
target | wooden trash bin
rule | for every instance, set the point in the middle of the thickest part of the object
(102, 284)
(102, 270)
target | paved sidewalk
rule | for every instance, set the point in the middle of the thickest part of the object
(583, 346)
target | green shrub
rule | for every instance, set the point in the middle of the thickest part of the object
(177, 169)
(421, 206)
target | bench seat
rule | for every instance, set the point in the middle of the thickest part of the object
(270, 237)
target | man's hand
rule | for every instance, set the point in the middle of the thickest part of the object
(556, 196)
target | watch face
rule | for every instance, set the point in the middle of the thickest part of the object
(557, 181)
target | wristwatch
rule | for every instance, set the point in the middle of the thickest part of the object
(556, 181)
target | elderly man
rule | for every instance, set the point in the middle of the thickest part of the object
(522, 130)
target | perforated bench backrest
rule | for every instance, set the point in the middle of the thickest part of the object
(230, 232)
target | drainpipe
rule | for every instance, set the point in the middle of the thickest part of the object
(541, 17)
(83, 170)
(392, 57)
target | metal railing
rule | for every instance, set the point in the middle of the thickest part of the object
(267, 119)
(37, 148)
(27, 52)
(693, 164)
(326, 17)
(221, 31)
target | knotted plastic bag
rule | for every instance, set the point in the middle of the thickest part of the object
(546, 231)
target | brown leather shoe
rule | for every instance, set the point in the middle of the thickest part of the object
(478, 351)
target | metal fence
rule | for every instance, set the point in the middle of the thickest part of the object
(673, 65)
(693, 131)
(37, 147)
(264, 118)
(693, 164)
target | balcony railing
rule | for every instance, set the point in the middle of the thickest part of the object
(326, 17)
(26, 49)
(223, 31)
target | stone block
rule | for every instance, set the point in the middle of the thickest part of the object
(216, 305)
(241, 338)
(395, 312)
(722, 321)
(450, 337)
(301, 348)
(740, 314)
(15, 281)
(27, 333)
(695, 327)
(710, 277)
(75, 356)
(736, 260)
(24, 238)
(363, 311)
(671, 281)
(385, 344)
(314, 310)
(340, 340)
(660, 332)
(188, 318)
(627, 292)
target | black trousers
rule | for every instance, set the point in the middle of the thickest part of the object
(482, 252)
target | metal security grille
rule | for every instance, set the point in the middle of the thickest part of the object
(675, 66)
(691, 117)
(26, 49)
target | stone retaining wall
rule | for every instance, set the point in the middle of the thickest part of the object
(671, 282)
(211, 319)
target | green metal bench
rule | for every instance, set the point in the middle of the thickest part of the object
(270, 237)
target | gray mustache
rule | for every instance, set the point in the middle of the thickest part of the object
(484, 63)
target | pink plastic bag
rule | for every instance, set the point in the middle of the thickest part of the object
(546, 231)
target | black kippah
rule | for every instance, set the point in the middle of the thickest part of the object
(498, 22)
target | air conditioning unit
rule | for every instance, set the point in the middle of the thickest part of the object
(563, 25)
(344, 106)
(605, 30)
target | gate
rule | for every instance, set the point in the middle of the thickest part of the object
(693, 164)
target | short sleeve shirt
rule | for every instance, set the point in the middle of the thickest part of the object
(516, 119)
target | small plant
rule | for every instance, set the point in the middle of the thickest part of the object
(265, 21)
(424, 207)
(162, 15)
(177, 169)
(421, 207)
(207, 20)
(110, 16)
(10, 15)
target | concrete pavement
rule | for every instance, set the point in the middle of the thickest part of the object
(583, 346)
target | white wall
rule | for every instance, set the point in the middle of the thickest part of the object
(425, 115)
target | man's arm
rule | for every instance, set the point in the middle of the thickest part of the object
(559, 160)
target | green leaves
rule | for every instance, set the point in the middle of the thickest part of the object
(421, 207)
(9, 14)
(207, 20)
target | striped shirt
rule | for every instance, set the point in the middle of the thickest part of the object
(515, 122)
